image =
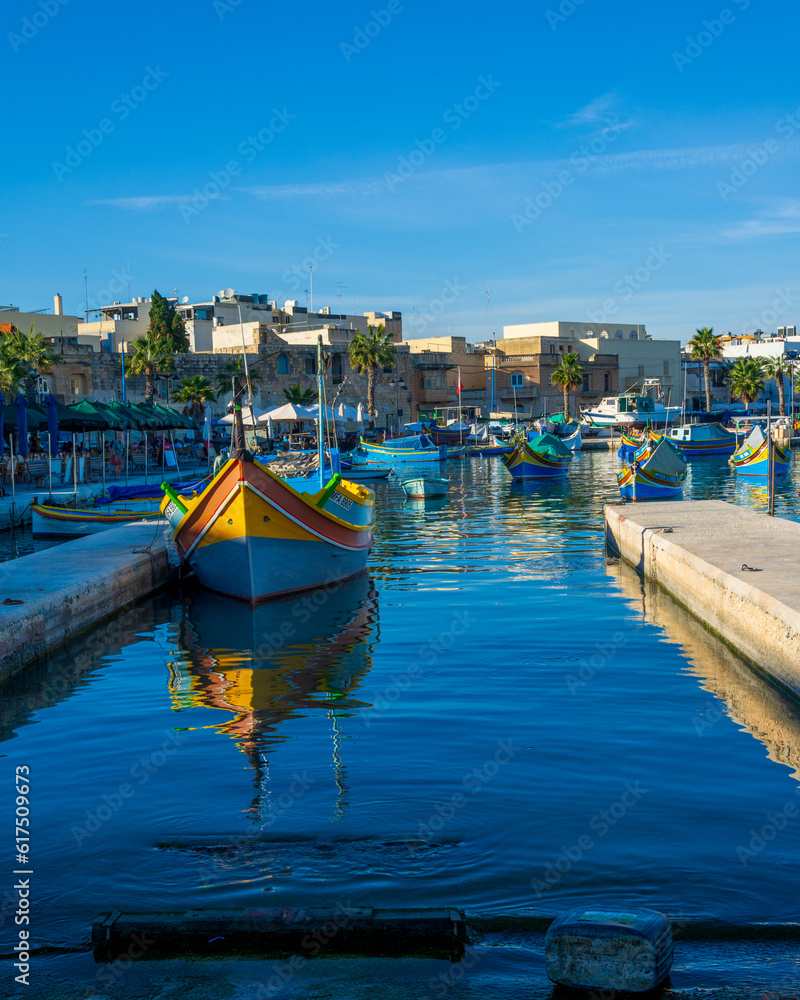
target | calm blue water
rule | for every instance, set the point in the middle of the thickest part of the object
(498, 718)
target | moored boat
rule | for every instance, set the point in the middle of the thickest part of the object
(545, 457)
(424, 487)
(759, 455)
(489, 450)
(632, 409)
(696, 440)
(50, 521)
(658, 472)
(451, 435)
(417, 448)
(632, 441)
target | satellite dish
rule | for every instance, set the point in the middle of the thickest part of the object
(185, 299)
(229, 293)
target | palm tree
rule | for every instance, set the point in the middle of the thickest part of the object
(705, 347)
(12, 376)
(151, 354)
(31, 355)
(569, 375)
(300, 397)
(778, 368)
(746, 377)
(194, 392)
(368, 353)
(231, 370)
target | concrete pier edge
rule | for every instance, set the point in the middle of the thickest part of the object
(70, 588)
(734, 569)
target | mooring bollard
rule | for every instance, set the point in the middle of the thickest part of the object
(625, 950)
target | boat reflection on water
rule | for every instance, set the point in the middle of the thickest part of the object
(273, 662)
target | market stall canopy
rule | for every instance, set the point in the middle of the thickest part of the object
(289, 411)
(249, 414)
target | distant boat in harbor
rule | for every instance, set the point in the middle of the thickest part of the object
(758, 453)
(657, 472)
(545, 457)
(417, 448)
(696, 440)
(632, 409)
(425, 487)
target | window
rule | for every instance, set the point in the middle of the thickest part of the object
(618, 335)
(634, 335)
(429, 383)
(311, 367)
(606, 386)
(585, 383)
(517, 380)
(552, 348)
(336, 364)
(561, 348)
(77, 385)
(283, 364)
(641, 371)
(421, 382)
(666, 369)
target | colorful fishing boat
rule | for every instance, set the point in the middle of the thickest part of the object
(416, 448)
(425, 487)
(758, 455)
(50, 521)
(632, 441)
(451, 435)
(253, 536)
(123, 505)
(696, 440)
(489, 450)
(545, 457)
(658, 472)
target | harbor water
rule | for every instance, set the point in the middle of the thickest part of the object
(498, 717)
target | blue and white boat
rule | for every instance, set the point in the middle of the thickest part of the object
(696, 440)
(658, 472)
(418, 448)
(758, 455)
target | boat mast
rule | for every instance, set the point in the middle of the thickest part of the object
(321, 422)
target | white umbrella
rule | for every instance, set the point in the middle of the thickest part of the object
(270, 428)
(360, 417)
(206, 422)
(289, 411)
(248, 415)
(345, 412)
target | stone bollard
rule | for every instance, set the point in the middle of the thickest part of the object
(604, 949)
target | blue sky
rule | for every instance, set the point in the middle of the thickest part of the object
(398, 147)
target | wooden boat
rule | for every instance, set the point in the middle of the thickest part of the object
(423, 487)
(124, 505)
(632, 441)
(545, 457)
(452, 435)
(74, 522)
(658, 472)
(757, 453)
(417, 448)
(489, 450)
(253, 536)
(573, 441)
(696, 440)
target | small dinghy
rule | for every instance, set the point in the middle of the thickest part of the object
(425, 487)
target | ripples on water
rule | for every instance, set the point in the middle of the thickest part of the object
(498, 718)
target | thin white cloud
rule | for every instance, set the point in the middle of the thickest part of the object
(782, 220)
(143, 202)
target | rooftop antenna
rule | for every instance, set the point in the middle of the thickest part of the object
(339, 287)
(307, 326)
(129, 278)
(86, 288)
(311, 287)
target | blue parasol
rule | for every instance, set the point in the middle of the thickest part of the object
(22, 425)
(52, 421)
(2, 442)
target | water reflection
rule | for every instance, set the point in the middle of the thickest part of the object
(751, 701)
(266, 665)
